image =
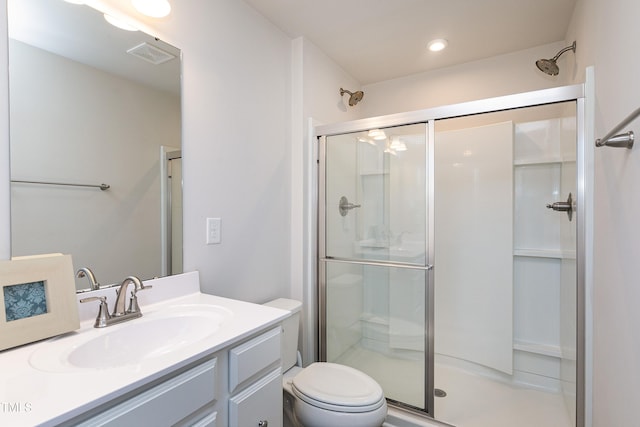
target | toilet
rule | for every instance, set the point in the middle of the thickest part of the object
(324, 394)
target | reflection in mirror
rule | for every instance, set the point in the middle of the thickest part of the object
(84, 111)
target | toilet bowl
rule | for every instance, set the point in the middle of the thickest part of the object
(324, 394)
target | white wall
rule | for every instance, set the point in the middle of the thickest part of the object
(62, 130)
(316, 83)
(609, 33)
(502, 75)
(236, 145)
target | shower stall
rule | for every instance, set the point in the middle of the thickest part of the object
(451, 261)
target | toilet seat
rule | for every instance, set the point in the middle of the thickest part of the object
(337, 388)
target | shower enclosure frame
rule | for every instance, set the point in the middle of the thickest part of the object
(584, 179)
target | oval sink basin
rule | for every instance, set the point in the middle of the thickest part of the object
(132, 342)
(138, 341)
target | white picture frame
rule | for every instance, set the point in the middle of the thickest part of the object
(37, 299)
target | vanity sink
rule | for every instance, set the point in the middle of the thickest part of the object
(138, 341)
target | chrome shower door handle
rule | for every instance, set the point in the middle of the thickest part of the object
(344, 206)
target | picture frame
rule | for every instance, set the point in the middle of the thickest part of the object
(37, 299)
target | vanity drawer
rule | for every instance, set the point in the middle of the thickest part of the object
(166, 403)
(253, 357)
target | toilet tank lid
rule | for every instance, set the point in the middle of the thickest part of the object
(285, 304)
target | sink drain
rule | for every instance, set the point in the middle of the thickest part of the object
(439, 393)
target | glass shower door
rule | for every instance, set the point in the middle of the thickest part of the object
(373, 258)
(505, 282)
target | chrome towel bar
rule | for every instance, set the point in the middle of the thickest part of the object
(102, 187)
(623, 140)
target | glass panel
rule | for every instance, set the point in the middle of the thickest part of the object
(505, 272)
(376, 195)
(376, 324)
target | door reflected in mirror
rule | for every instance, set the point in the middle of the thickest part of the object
(83, 111)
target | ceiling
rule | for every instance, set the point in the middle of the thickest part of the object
(377, 40)
(373, 40)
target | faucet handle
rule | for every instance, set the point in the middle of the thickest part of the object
(133, 300)
(103, 311)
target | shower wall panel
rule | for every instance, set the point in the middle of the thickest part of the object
(544, 256)
(474, 245)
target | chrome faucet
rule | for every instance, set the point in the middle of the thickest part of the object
(121, 297)
(86, 272)
(119, 314)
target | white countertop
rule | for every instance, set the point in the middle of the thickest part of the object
(32, 396)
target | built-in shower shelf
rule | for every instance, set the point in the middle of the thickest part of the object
(368, 172)
(542, 161)
(543, 349)
(545, 253)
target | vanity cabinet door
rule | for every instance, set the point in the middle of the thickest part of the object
(260, 402)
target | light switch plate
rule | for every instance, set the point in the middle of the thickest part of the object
(213, 231)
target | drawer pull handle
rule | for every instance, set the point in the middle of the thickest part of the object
(263, 423)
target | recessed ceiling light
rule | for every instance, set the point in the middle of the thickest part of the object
(152, 8)
(377, 134)
(119, 23)
(437, 45)
(75, 1)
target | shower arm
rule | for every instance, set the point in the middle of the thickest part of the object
(566, 49)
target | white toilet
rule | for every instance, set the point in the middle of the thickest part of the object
(324, 394)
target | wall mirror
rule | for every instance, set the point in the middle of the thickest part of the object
(92, 104)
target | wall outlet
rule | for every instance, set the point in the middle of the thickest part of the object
(213, 231)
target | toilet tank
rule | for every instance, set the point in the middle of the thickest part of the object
(290, 327)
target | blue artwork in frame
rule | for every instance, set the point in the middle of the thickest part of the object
(25, 300)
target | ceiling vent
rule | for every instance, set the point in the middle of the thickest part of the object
(150, 53)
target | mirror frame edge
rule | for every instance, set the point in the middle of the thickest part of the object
(5, 171)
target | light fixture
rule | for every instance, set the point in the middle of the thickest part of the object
(397, 144)
(437, 45)
(75, 1)
(377, 134)
(367, 140)
(116, 22)
(152, 8)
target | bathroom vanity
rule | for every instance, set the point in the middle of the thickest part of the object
(192, 359)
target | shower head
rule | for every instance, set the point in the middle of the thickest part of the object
(354, 97)
(549, 66)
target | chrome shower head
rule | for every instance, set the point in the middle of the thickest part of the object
(549, 66)
(354, 97)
